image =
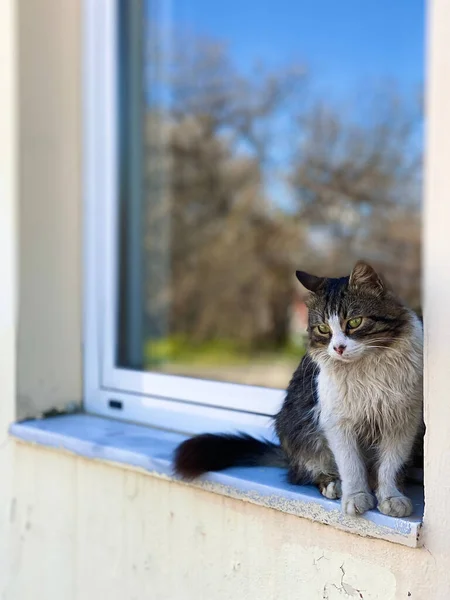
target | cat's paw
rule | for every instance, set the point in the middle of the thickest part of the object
(396, 506)
(332, 490)
(357, 504)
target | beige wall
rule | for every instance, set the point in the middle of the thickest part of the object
(77, 529)
(437, 294)
(49, 110)
(82, 530)
(8, 261)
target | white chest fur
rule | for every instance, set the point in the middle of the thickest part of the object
(379, 390)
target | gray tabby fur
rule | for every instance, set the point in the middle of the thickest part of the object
(353, 409)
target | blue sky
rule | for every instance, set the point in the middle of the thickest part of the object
(350, 47)
(345, 43)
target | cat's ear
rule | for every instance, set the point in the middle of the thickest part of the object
(310, 282)
(365, 276)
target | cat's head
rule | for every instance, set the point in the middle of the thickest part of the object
(352, 317)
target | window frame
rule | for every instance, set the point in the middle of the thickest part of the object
(181, 403)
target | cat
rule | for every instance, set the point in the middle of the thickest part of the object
(353, 410)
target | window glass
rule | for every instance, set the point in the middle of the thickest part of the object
(257, 138)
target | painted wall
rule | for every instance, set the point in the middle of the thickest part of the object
(8, 253)
(49, 180)
(81, 530)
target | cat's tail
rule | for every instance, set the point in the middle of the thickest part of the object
(215, 452)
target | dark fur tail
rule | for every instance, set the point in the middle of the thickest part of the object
(210, 452)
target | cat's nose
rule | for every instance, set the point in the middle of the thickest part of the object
(340, 349)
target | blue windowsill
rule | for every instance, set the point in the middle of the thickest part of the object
(150, 449)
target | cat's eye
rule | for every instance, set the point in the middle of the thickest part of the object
(354, 323)
(323, 329)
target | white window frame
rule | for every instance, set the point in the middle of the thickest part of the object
(180, 403)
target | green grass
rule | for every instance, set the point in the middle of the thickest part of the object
(178, 349)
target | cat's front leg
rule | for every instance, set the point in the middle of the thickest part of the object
(393, 452)
(356, 494)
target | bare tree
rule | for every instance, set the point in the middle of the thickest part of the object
(230, 245)
(358, 189)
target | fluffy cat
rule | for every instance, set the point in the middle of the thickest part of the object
(353, 409)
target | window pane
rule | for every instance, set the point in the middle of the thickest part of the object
(257, 139)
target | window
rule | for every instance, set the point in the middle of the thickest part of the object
(228, 144)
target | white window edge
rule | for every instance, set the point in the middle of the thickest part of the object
(141, 392)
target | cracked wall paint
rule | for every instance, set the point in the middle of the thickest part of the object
(329, 575)
(154, 538)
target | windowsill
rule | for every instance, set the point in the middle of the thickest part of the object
(151, 449)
